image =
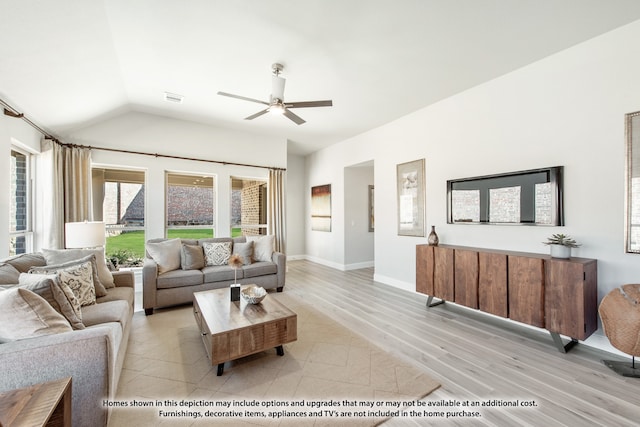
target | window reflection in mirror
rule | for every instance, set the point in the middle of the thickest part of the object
(633, 183)
(531, 197)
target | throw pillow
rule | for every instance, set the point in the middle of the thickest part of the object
(192, 257)
(8, 274)
(217, 253)
(24, 262)
(245, 250)
(80, 279)
(166, 254)
(48, 269)
(57, 294)
(263, 247)
(24, 314)
(60, 256)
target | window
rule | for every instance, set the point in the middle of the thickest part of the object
(633, 183)
(248, 207)
(118, 196)
(20, 232)
(190, 205)
(526, 197)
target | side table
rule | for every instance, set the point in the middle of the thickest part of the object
(46, 404)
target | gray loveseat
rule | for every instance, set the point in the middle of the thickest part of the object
(92, 356)
(180, 278)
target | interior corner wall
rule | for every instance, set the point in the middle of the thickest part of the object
(295, 206)
(359, 241)
(565, 110)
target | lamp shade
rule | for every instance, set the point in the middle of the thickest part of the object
(84, 234)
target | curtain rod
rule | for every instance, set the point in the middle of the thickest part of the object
(12, 112)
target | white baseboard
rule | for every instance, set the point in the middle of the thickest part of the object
(359, 265)
(322, 261)
(407, 286)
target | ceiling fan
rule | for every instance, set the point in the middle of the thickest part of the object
(276, 103)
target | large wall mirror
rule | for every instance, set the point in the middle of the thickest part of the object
(633, 183)
(532, 197)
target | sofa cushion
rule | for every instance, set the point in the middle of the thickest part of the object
(60, 256)
(245, 250)
(25, 314)
(100, 290)
(166, 254)
(179, 278)
(217, 253)
(220, 273)
(56, 293)
(24, 262)
(123, 293)
(263, 247)
(192, 257)
(110, 311)
(8, 274)
(261, 268)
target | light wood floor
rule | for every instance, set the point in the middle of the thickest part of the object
(474, 356)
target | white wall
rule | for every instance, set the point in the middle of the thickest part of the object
(327, 167)
(359, 241)
(295, 206)
(567, 109)
(154, 134)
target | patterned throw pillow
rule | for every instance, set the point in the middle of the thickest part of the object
(217, 253)
(80, 279)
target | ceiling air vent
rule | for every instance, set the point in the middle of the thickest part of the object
(173, 97)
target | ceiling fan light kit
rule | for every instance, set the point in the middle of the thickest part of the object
(276, 104)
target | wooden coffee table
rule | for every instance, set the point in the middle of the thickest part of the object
(234, 329)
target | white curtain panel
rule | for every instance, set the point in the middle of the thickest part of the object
(65, 183)
(277, 204)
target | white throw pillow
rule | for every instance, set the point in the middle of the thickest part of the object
(167, 254)
(24, 314)
(263, 247)
(217, 253)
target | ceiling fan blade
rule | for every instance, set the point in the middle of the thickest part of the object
(305, 104)
(258, 114)
(295, 118)
(244, 98)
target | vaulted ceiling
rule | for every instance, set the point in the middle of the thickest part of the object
(68, 64)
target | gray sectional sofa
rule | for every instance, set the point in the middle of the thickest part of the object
(173, 270)
(92, 353)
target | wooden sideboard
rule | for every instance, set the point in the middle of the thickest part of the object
(560, 295)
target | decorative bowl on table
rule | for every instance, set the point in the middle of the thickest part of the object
(253, 294)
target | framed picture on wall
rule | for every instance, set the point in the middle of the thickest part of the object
(321, 208)
(411, 206)
(371, 205)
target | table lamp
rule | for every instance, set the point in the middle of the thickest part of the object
(87, 234)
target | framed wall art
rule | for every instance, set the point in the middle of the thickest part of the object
(411, 206)
(321, 208)
(371, 211)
